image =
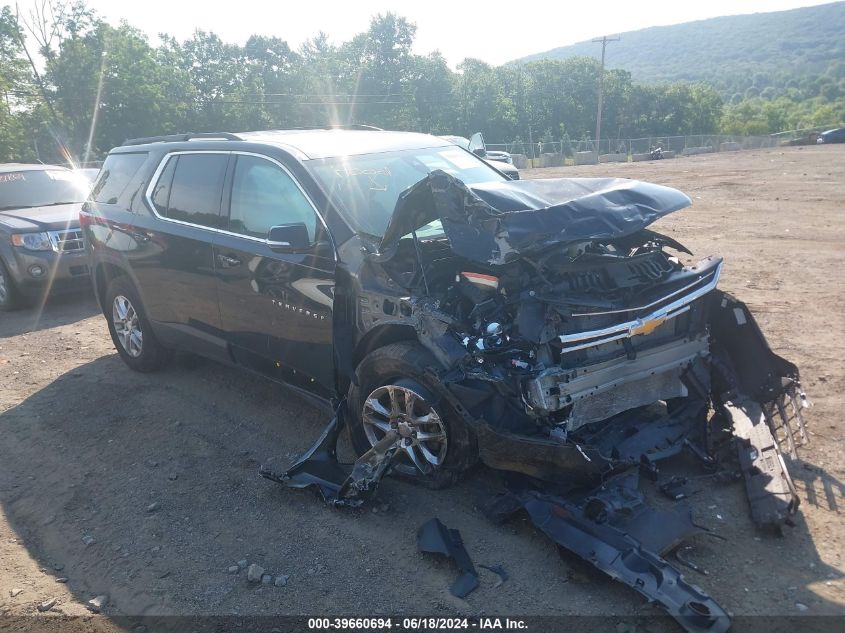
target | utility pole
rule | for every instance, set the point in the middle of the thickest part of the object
(604, 40)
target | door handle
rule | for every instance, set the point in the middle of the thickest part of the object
(131, 231)
(228, 262)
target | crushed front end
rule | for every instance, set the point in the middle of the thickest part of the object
(581, 350)
(575, 340)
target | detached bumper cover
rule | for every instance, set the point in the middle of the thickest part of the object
(337, 484)
(612, 529)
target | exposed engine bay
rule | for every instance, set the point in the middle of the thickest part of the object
(572, 337)
(576, 345)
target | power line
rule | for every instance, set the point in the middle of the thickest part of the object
(328, 96)
(604, 40)
(349, 103)
(347, 98)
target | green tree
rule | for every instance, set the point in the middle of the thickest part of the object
(482, 101)
(16, 87)
(379, 64)
(108, 85)
(273, 69)
(432, 84)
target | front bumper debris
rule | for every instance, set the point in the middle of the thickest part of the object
(769, 487)
(760, 394)
(337, 484)
(435, 538)
(613, 529)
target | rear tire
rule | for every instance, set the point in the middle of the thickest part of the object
(439, 446)
(130, 330)
(10, 298)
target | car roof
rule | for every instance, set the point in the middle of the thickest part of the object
(9, 167)
(330, 143)
(308, 144)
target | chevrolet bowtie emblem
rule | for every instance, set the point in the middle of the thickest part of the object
(646, 327)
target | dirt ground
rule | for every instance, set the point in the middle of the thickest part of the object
(146, 487)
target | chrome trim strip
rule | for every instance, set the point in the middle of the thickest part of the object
(649, 305)
(148, 194)
(626, 329)
(575, 348)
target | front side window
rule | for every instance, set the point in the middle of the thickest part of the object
(190, 188)
(264, 196)
(368, 185)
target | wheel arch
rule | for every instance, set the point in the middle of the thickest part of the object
(104, 274)
(381, 336)
(409, 360)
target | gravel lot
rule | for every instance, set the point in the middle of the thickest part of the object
(146, 487)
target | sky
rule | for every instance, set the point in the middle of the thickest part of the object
(495, 31)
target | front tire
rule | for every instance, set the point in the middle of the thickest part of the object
(10, 298)
(392, 391)
(130, 330)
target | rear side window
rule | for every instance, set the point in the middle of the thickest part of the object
(190, 187)
(161, 192)
(115, 175)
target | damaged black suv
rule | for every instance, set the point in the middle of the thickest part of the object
(537, 326)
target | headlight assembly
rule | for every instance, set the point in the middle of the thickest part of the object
(33, 241)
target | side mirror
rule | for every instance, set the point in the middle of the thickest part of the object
(480, 152)
(289, 237)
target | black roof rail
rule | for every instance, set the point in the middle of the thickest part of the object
(177, 138)
(341, 126)
(359, 126)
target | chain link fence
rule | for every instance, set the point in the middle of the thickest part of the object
(564, 151)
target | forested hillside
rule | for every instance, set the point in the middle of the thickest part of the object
(72, 86)
(742, 56)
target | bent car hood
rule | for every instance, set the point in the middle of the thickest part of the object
(49, 218)
(494, 223)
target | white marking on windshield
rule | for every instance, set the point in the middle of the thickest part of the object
(369, 172)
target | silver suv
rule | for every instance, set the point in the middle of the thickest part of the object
(41, 246)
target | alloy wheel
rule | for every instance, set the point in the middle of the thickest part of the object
(126, 326)
(4, 289)
(422, 432)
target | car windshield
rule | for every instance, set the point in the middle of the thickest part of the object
(367, 186)
(39, 188)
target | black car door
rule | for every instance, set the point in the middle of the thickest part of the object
(275, 299)
(176, 268)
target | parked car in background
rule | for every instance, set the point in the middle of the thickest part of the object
(836, 135)
(89, 174)
(500, 160)
(41, 246)
(476, 143)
